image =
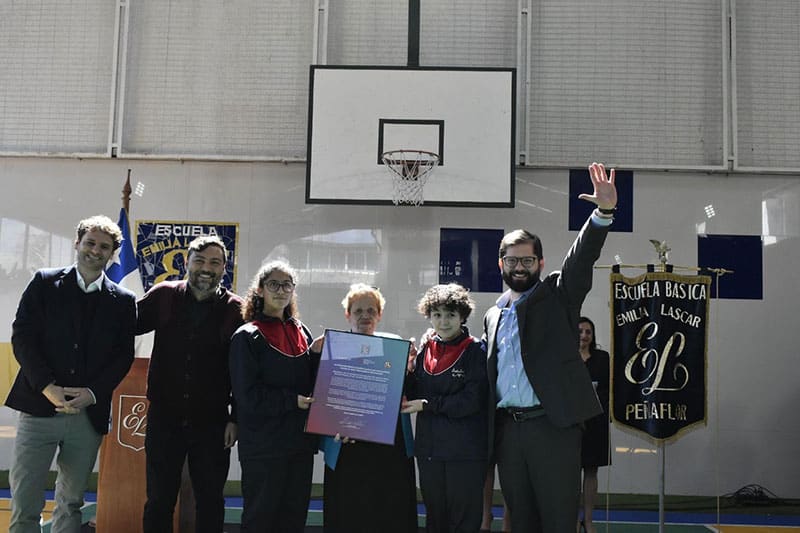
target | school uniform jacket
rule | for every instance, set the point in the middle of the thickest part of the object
(452, 425)
(270, 366)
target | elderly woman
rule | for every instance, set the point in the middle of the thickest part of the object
(369, 487)
(447, 387)
(272, 373)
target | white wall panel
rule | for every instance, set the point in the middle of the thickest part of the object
(367, 33)
(209, 78)
(473, 33)
(55, 75)
(630, 82)
(768, 83)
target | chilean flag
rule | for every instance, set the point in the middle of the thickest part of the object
(124, 270)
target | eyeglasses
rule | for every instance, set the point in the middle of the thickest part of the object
(511, 262)
(274, 286)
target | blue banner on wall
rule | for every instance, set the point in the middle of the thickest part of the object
(742, 254)
(580, 210)
(161, 247)
(469, 257)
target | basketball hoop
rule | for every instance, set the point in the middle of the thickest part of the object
(410, 170)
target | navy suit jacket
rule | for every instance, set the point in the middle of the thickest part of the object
(46, 335)
(548, 329)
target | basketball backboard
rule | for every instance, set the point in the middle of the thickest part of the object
(464, 115)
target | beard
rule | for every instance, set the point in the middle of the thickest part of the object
(204, 285)
(521, 284)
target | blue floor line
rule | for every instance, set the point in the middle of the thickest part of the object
(673, 517)
(648, 517)
(49, 495)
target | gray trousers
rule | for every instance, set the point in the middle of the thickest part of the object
(74, 442)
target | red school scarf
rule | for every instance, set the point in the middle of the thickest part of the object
(286, 337)
(441, 356)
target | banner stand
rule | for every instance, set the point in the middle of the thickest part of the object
(662, 249)
(662, 451)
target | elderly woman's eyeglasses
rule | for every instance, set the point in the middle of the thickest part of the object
(274, 286)
(511, 262)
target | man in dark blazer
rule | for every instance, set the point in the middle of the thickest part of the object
(540, 391)
(73, 338)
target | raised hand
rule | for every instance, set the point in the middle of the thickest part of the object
(605, 189)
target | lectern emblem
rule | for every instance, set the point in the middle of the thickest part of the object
(132, 421)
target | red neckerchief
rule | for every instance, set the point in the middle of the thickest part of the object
(440, 356)
(286, 337)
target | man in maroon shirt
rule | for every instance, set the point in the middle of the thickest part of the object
(188, 385)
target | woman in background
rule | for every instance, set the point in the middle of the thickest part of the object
(273, 369)
(370, 487)
(594, 447)
(447, 387)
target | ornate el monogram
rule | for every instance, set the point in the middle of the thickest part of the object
(132, 421)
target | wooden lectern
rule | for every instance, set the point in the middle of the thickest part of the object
(121, 486)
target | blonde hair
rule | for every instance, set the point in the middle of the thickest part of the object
(359, 290)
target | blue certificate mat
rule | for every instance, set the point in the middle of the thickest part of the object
(359, 386)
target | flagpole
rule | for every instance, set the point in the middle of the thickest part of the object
(126, 193)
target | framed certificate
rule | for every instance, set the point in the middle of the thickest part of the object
(359, 386)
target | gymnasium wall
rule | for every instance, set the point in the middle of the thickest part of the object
(751, 357)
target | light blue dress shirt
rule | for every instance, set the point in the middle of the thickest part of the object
(513, 387)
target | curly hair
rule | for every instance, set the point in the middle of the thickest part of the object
(253, 303)
(99, 223)
(451, 296)
(359, 290)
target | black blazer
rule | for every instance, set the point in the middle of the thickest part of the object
(45, 337)
(548, 325)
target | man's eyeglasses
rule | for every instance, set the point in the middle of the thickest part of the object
(273, 286)
(511, 262)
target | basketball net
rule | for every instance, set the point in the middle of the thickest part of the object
(410, 170)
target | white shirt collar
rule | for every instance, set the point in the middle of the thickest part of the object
(94, 286)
